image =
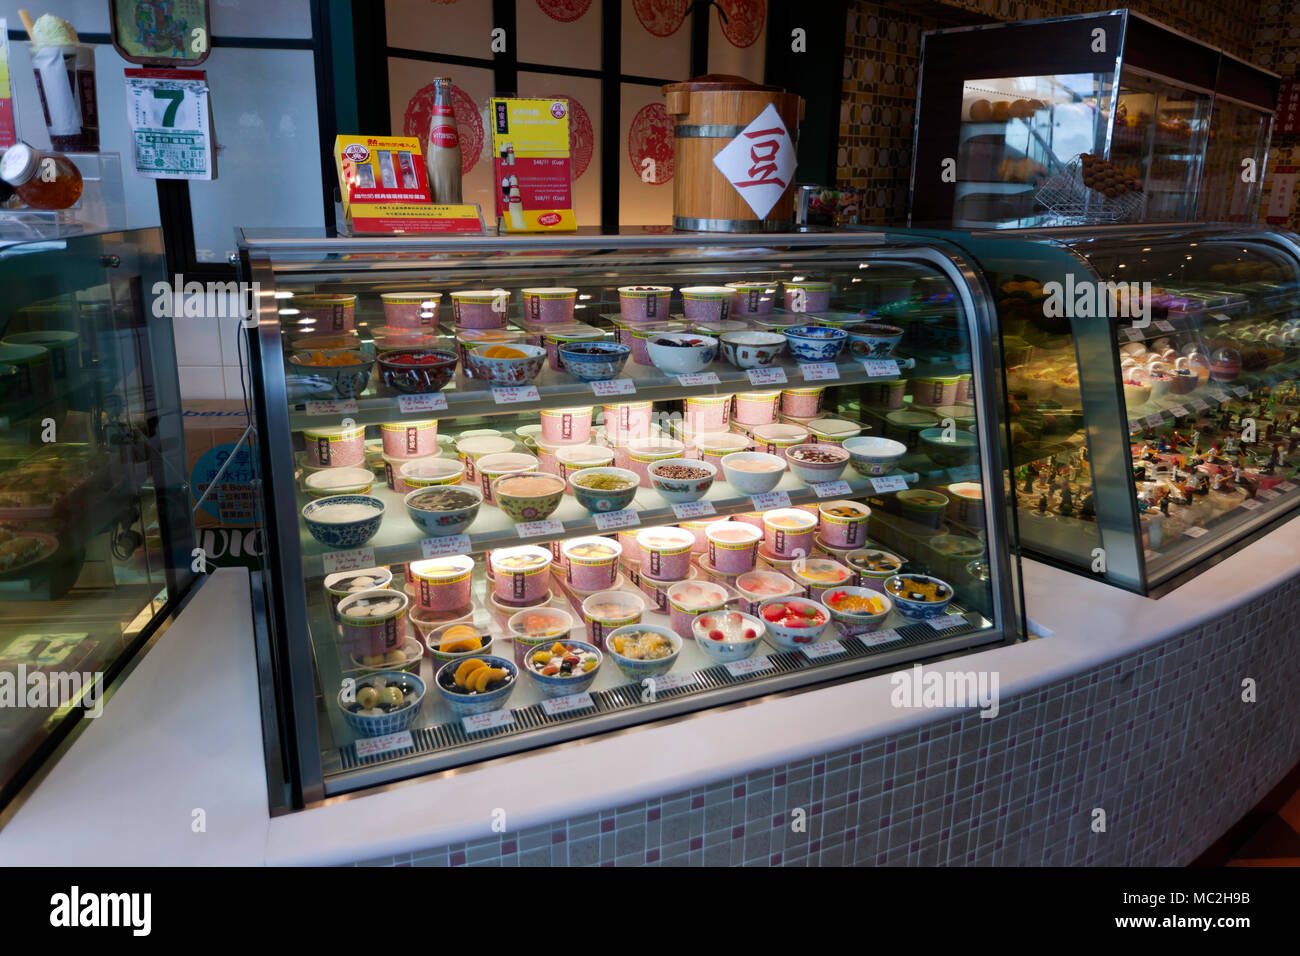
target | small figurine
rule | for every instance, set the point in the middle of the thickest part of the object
(1164, 505)
(1029, 482)
(1087, 509)
(1042, 504)
(1067, 503)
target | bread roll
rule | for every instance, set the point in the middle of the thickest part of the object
(981, 111)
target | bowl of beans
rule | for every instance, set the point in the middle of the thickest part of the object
(682, 479)
(816, 463)
(416, 371)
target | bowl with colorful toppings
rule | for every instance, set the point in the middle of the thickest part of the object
(455, 642)
(343, 521)
(604, 489)
(594, 361)
(682, 479)
(681, 353)
(816, 463)
(476, 685)
(857, 610)
(564, 667)
(727, 636)
(513, 364)
(322, 374)
(793, 623)
(416, 371)
(918, 596)
(443, 509)
(535, 626)
(642, 651)
(382, 703)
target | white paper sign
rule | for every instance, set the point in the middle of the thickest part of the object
(1250, 504)
(889, 483)
(822, 649)
(331, 408)
(767, 376)
(515, 394)
(1178, 411)
(1286, 486)
(819, 371)
(831, 489)
(531, 529)
(877, 368)
(1194, 532)
(371, 746)
(1268, 494)
(437, 402)
(698, 378)
(170, 120)
(694, 509)
(626, 518)
(751, 665)
(759, 163)
(1132, 333)
(1197, 404)
(555, 706)
(769, 500)
(670, 681)
(947, 621)
(474, 723)
(614, 386)
(1241, 391)
(1164, 326)
(1153, 420)
(1220, 316)
(444, 545)
(880, 637)
(352, 560)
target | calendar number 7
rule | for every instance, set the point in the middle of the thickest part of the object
(174, 98)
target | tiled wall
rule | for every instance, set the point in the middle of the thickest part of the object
(207, 357)
(1160, 740)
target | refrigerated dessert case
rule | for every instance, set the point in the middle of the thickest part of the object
(1153, 388)
(487, 455)
(1100, 118)
(95, 532)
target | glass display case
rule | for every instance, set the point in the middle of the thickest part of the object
(95, 532)
(1101, 118)
(703, 492)
(1155, 400)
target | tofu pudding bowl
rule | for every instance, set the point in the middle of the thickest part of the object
(687, 600)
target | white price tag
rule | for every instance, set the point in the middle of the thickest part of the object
(670, 681)
(1197, 404)
(766, 376)
(822, 649)
(1132, 333)
(1134, 427)
(1268, 494)
(555, 706)
(1178, 411)
(699, 378)
(1194, 532)
(437, 402)
(878, 368)
(515, 394)
(614, 386)
(819, 371)
(1154, 420)
(1250, 504)
(889, 483)
(352, 560)
(332, 408)
(626, 518)
(444, 545)
(1286, 486)
(1164, 326)
(492, 719)
(1221, 316)
(171, 123)
(751, 665)
(947, 621)
(371, 746)
(531, 529)
(1241, 391)
(769, 500)
(831, 489)
(695, 509)
(880, 637)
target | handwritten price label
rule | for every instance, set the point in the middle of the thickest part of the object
(752, 665)
(555, 706)
(1153, 420)
(615, 386)
(819, 371)
(822, 649)
(698, 378)
(1241, 391)
(670, 681)
(1134, 427)
(889, 483)
(1250, 504)
(1178, 411)
(444, 545)
(947, 621)
(373, 746)
(766, 376)
(881, 368)
(695, 509)
(475, 723)
(332, 408)
(1164, 326)
(1268, 494)
(769, 500)
(831, 489)
(626, 518)
(1194, 532)
(531, 529)
(1198, 405)
(437, 402)
(1132, 333)
(516, 394)
(348, 560)
(880, 637)
(1221, 316)
(1286, 486)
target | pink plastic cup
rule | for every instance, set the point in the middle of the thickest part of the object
(816, 296)
(757, 408)
(752, 298)
(330, 312)
(627, 421)
(706, 303)
(567, 425)
(717, 445)
(801, 402)
(442, 584)
(788, 532)
(755, 587)
(417, 439)
(644, 452)
(707, 413)
(577, 457)
(553, 341)
(666, 552)
(480, 308)
(644, 303)
(411, 310)
(549, 304)
(521, 576)
(841, 531)
(335, 446)
(636, 337)
(732, 546)
(591, 564)
(373, 635)
(687, 600)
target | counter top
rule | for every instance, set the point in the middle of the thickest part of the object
(109, 800)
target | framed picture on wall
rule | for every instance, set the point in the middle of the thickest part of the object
(161, 32)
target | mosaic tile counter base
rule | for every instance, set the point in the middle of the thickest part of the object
(1160, 740)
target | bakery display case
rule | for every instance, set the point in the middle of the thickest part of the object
(95, 532)
(1095, 119)
(524, 490)
(1154, 393)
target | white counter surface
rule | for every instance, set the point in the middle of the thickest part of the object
(127, 790)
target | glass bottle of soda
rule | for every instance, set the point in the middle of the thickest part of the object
(443, 159)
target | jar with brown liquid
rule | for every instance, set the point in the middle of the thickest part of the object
(43, 180)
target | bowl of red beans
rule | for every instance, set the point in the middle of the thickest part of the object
(417, 371)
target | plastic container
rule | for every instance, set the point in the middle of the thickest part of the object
(755, 587)
(627, 421)
(752, 298)
(801, 402)
(410, 310)
(889, 395)
(549, 304)
(413, 439)
(714, 446)
(442, 584)
(818, 575)
(840, 529)
(832, 431)
(324, 482)
(469, 339)
(687, 600)
(423, 473)
(491, 467)
(788, 532)
(333, 312)
(470, 448)
(706, 303)
(966, 503)
(336, 584)
(665, 552)
(644, 303)
(816, 295)
(707, 413)
(535, 626)
(606, 611)
(775, 439)
(369, 634)
(591, 564)
(934, 390)
(521, 575)
(732, 546)
(642, 452)
(567, 425)
(874, 566)
(569, 335)
(757, 408)
(573, 458)
(473, 308)
(334, 446)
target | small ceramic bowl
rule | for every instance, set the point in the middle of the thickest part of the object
(753, 482)
(556, 686)
(443, 521)
(398, 371)
(726, 651)
(379, 725)
(594, 361)
(872, 340)
(956, 449)
(681, 490)
(465, 703)
(792, 638)
(507, 371)
(532, 507)
(874, 456)
(809, 471)
(911, 608)
(857, 622)
(639, 670)
(815, 343)
(339, 481)
(690, 352)
(332, 381)
(751, 349)
(343, 534)
(599, 500)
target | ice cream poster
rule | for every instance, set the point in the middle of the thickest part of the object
(532, 168)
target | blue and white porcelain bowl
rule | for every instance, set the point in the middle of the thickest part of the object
(395, 721)
(600, 500)
(350, 533)
(911, 608)
(594, 361)
(815, 343)
(464, 703)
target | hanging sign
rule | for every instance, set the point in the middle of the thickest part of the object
(171, 123)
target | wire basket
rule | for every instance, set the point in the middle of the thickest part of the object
(1070, 201)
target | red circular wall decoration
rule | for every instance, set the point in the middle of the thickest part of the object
(662, 18)
(582, 138)
(469, 123)
(566, 11)
(744, 20)
(652, 135)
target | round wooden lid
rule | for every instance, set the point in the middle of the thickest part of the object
(719, 83)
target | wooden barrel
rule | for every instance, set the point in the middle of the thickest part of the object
(710, 112)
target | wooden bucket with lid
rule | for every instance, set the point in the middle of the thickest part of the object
(711, 111)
